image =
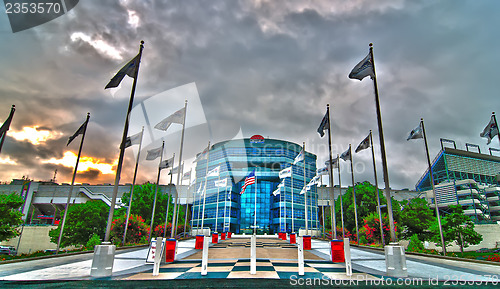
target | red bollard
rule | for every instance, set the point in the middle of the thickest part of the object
(283, 236)
(229, 234)
(307, 242)
(223, 236)
(292, 238)
(215, 238)
(199, 242)
(337, 251)
(170, 250)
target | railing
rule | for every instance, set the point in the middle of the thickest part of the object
(97, 196)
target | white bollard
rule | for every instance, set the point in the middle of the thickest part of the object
(103, 259)
(157, 252)
(204, 258)
(395, 260)
(253, 255)
(347, 256)
(301, 256)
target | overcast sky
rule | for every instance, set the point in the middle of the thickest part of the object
(267, 67)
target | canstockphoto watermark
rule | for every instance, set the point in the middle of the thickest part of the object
(384, 281)
(358, 280)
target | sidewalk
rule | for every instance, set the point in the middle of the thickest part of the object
(78, 267)
(276, 259)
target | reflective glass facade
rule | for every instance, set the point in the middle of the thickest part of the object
(228, 210)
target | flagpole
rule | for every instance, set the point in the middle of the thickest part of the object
(172, 232)
(205, 193)
(122, 149)
(170, 195)
(132, 190)
(284, 205)
(322, 208)
(9, 119)
(230, 206)
(382, 150)
(72, 184)
(178, 200)
(217, 206)
(354, 196)
(255, 207)
(291, 191)
(332, 194)
(496, 124)
(156, 193)
(199, 208)
(433, 190)
(340, 197)
(187, 199)
(225, 204)
(280, 229)
(305, 191)
(316, 206)
(376, 189)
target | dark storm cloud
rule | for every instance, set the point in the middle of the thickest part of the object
(269, 67)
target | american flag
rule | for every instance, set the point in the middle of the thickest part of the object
(250, 180)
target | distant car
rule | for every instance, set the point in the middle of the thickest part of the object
(484, 250)
(5, 251)
(12, 249)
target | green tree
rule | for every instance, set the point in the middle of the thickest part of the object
(370, 229)
(142, 204)
(366, 200)
(415, 244)
(457, 227)
(416, 219)
(137, 229)
(10, 216)
(83, 221)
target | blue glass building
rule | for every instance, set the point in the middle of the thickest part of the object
(228, 210)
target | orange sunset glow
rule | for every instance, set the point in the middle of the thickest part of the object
(86, 163)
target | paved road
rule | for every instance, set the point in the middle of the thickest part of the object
(435, 268)
(77, 267)
(130, 262)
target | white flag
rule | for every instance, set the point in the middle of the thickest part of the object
(299, 157)
(200, 190)
(278, 189)
(167, 163)
(322, 171)
(176, 169)
(346, 156)
(335, 165)
(154, 154)
(133, 140)
(201, 155)
(490, 131)
(416, 133)
(363, 69)
(214, 172)
(221, 183)
(285, 173)
(364, 144)
(313, 182)
(176, 117)
(186, 176)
